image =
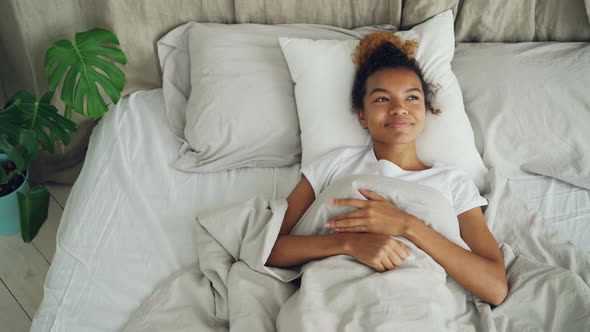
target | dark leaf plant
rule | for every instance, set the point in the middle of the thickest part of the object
(28, 125)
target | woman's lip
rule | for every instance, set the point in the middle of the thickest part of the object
(398, 124)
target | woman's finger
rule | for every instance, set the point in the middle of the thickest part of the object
(395, 260)
(388, 263)
(401, 250)
(352, 214)
(356, 229)
(344, 223)
(405, 248)
(371, 195)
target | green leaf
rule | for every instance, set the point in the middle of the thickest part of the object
(33, 207)
(22, 95)
(85, 65)
(13, 153)
(26, 123)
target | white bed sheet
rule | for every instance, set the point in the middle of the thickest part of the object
(562, 205)
(128, 220)
(127, 223)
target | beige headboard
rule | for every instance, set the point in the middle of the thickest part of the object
(28, 27)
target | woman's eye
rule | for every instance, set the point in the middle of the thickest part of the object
(413, 98)
(381, 99)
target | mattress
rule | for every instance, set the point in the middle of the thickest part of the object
(127, 222)
(127, 225)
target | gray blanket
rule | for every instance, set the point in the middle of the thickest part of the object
(230, 288)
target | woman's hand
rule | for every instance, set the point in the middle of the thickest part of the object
(374, 215)
(381, 252)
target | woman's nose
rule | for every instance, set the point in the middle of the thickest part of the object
(397, 109)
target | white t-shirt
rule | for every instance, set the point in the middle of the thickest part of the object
(453, 183)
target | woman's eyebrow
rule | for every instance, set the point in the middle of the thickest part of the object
(387, 91)
(413, 89)
(379, 90)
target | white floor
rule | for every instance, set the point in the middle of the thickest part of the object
(23, 267)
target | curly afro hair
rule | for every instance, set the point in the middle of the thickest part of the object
(386, 50)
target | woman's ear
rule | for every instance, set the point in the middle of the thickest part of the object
(360, 113)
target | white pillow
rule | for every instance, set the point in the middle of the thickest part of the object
(236, 108)
(530, 106)
(323, 73)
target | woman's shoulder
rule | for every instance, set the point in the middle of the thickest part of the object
(351, 151)
(451, 172)
(331, 164)
(346, 152)
(445, 167)
(336, 159)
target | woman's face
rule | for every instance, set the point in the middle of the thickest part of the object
(394, 109)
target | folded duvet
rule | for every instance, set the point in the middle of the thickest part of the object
(230, 288)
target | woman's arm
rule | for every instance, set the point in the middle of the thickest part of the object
(292, 250)
(379, 251)
(480, 271)
(375, 250)
(299, 200)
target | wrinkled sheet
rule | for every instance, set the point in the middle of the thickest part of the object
(564, 206)
(229, 286)
(127, 224)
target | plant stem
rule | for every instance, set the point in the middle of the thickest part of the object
(36, 110)
(68, 112)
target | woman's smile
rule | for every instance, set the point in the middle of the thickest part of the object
(399, 124)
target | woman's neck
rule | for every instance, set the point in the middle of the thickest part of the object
(403, 155)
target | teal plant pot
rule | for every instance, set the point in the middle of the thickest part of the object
(9, 212)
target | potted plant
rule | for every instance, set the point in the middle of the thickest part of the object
(28, 125)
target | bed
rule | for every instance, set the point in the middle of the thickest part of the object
(103, 270)
(128, 226)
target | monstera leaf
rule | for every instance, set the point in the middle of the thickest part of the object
(84, 65)
(26, 123)
(16, 140)
(19, 145)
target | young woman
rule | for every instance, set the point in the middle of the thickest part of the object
(391, 99)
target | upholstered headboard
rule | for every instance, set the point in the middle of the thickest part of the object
(28, 27)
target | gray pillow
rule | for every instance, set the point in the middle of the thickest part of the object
(529, 106)
(236, 108)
